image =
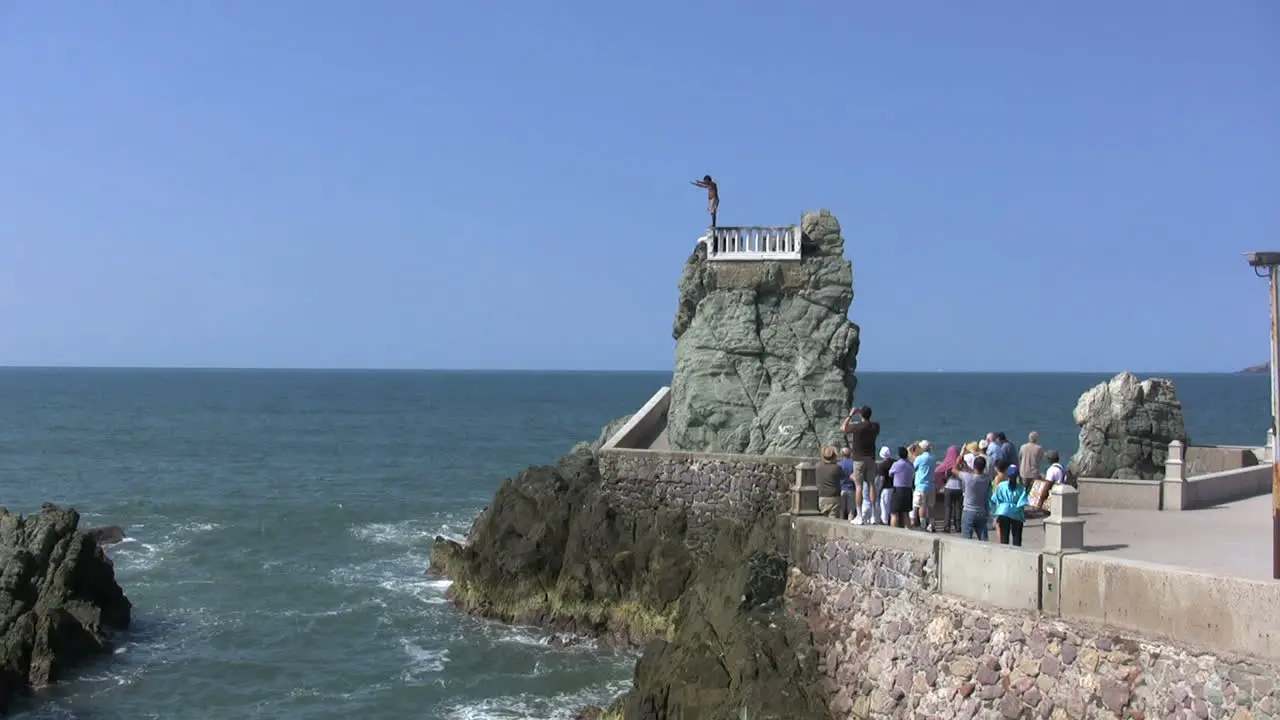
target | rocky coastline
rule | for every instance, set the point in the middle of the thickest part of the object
(550, 551)
(764, 366)
(60, 604)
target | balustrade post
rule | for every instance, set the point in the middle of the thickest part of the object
(1064, 528)
(1174, 488)
(804, 493)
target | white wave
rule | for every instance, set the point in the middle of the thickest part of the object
(533, 707)
(422, 661)
(146, 552)
(411, 532)
(539, 638)
(403, 576)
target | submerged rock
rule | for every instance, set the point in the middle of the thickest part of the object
(58, 599)
(765, 351)
(107, 534)
(1126, 426)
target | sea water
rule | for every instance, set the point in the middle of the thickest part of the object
(280, 522)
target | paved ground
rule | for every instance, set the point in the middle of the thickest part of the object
(1230, 539)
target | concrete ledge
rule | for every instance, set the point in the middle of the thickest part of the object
(1208, 490)
(806, 529)
(1119, 494)
(999, 575)
(639, 453)
(644, 424)
(1222, 614)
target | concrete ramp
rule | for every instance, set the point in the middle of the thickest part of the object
(647, 428)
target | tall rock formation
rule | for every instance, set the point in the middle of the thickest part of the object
(765, 351)
(58, 600)
(1126, 426)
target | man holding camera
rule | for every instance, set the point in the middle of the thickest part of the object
(862, 432)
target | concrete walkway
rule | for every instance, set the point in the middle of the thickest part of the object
(1230, 539)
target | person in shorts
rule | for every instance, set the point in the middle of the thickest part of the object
(925, 495)
(862, 433)
(902, 473)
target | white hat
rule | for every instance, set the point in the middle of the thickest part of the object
(982, 444)
(925, 444)
(885, 453)
(969, 458)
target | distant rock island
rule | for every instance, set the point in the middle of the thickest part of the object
(1257, 369)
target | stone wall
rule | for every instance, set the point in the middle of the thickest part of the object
(705, 486)
(893, 647)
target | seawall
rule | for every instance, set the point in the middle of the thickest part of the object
(704, 486)
(914, 625)
(909, 624)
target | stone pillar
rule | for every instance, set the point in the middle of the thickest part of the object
(1064, 528)
(1175, 478)
(804, 493)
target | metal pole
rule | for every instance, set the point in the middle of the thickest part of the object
(1275, 422)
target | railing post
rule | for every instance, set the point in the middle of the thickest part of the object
(804, 493)
(1173, 492)
(1270, 451)
(1064, 528)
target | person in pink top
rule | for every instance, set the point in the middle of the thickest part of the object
(947, 485)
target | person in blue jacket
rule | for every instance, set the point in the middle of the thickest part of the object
(1009, 503)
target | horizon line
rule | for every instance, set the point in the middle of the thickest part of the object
(284, 368)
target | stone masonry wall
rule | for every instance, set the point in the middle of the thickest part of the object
(738, 487)
(894, 648)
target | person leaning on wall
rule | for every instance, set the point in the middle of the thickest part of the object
(828, 475)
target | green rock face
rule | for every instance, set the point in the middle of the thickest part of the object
(765, 351)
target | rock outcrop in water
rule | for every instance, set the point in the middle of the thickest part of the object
(59, 599)
(765, 351)
(735, 652)
(551, 551)
(1126, 426)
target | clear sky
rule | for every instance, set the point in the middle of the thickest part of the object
(314, 183)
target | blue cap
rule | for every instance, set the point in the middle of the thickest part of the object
(1013, 470)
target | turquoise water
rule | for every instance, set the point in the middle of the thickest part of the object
(280, 521)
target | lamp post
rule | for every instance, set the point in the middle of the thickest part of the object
(1267, 264)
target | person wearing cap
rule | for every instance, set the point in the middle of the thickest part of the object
(848, 506)
(828, 476)
(884, 484)
(1009, 502)
(922, 500)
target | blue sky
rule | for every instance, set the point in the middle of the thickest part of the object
(505, 185)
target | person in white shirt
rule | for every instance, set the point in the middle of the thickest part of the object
(1056, 472)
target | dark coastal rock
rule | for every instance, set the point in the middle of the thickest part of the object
(58, 599)
(551, 550)
(765, 351)
(107, 534)
(735, 651)
(1126, 426)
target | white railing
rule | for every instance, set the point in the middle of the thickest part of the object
(753, 243)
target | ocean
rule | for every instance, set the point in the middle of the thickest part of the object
(280, 522)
